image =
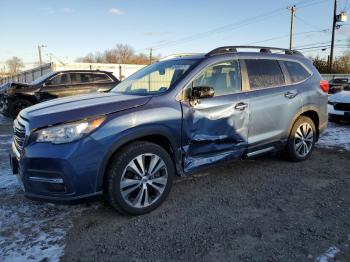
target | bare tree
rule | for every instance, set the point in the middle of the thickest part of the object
(14, 65)
(120, 54)
(123, 53)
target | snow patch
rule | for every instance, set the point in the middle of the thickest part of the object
(4, 119)
(34, 231)
(330, 253)
(336, 136)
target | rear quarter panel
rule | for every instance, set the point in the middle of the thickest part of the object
(314, 99)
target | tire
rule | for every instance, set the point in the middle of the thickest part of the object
(17, 105)
(301, 142)
(126, 184)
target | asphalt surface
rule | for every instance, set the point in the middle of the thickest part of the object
(266, 209)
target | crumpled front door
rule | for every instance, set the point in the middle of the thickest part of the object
(215, 129)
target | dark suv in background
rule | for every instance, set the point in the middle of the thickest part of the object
(16, 96)
(337, 85)
(172, 117)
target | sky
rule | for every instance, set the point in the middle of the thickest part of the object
(71, 29)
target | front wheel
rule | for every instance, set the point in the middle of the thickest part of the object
(139, 178)
(302, 139)
(17, 105)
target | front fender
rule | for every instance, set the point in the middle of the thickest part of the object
(138, 133)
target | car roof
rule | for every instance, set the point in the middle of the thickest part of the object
(261, 52)
(82, 71)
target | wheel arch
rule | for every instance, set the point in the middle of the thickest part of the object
(157, 134)
(30, 98)
(310, 112)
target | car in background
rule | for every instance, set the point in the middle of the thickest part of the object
(339, 107)
(16, 96)
(339, 84)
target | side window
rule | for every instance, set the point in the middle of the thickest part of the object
(101, 78)
(60, 79)
(296, 71)
(264, 73)
(75, 78)
(224, 77)
(86, 77)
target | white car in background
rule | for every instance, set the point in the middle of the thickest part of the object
(339, 106)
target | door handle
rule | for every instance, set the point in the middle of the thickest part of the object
(241, 106)
(291, 95)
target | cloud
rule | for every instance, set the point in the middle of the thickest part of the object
(47, 10)
(115, 11)
(67, 10)
(155, 33)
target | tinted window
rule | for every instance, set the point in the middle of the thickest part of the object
(296, 71)
(60, 79)
(75, 78)
(79, 78)
(224, 77)
(264, 73)
(340, 81)
(86, 77)
(101, 78)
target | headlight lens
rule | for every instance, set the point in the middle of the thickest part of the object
(331, 103)
(70, 132)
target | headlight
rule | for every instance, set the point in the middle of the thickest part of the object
(68, 132)
(331, 103)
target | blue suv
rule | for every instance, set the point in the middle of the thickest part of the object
(172, 117)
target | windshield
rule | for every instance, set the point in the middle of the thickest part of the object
(155, 78)
(42, 78)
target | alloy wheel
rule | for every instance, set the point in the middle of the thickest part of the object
(143, 180)
(303, 139)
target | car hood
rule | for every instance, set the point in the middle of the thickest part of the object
(341, 97)
(7, 86)
(78, 107)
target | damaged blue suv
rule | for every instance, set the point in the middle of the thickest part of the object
(172, 117)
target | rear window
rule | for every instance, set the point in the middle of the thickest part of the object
(264, 73)
(101, 78)
(296, 71)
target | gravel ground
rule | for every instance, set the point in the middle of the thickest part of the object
(266, 209)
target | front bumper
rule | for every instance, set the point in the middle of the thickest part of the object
(337, 114)
(64, 173)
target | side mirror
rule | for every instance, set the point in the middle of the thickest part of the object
(199, 92)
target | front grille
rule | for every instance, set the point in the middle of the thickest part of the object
(342, 107)
(19, 135)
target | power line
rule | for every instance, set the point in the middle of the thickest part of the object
(307, 23)
(236, 25)
(287, 35)
(321, 46)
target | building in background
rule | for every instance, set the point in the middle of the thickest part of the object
(121, 71)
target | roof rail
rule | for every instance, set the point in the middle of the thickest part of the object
(177, 55)
(263, 49)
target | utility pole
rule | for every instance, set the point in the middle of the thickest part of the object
(292, 15)
(333, 36)
(40, 56)
(150, 55)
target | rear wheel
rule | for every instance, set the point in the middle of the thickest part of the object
(302, 139)
(139, 178)
(17, 105)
